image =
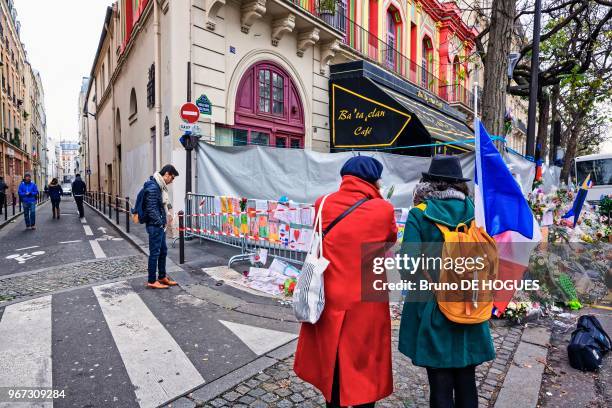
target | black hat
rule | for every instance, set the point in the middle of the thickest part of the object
(445, 168)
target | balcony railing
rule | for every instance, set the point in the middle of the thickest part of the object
(372, 48)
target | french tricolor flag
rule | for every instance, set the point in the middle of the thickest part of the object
(502, 210)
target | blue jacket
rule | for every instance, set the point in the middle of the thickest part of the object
(28, 192)
(153, 205)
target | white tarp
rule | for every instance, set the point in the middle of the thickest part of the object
(304, 175)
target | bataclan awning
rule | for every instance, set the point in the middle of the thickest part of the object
(366, 114)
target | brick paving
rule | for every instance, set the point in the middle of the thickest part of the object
(277, 386)
(52, 279)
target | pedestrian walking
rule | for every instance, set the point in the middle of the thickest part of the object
(28, 193)
(346, 354)
(156, 204)
(55, 192)
(78, 192)
(3, 188)
(449, 351)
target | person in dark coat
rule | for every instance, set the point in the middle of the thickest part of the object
(449, 351)
(346, 354)
(3, 188)
(78, 192)
(156, 205)
(55, 194)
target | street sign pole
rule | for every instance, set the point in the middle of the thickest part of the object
(190, 114)
(533, 87)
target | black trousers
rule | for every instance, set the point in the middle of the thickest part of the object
(452, 387)
(79, 203)
(2, 200)
(335, 402)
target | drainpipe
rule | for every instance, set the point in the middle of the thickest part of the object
(158, 69)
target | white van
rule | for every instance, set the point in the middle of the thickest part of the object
(600, 168)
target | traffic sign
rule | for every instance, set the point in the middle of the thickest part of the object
(190, 112)
(204, 105)
(190, 127)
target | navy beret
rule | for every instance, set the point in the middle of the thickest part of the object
(364, 167)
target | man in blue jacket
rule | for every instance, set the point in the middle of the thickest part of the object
(28, 194)
(156, 205)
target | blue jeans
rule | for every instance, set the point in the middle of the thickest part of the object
(157, 252)
(29, 214)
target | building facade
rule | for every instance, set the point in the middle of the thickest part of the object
(83, 128)
(22, 119)
(260, 72)
(68, 160)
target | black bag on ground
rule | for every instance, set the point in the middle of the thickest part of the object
(588, 345)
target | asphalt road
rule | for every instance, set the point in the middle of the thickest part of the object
(58, 242)
(116, 343)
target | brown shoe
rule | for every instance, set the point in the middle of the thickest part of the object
(167, 281)
(157, 285)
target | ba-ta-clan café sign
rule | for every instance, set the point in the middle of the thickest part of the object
(361, 121)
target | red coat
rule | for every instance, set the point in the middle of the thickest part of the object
(358, 333)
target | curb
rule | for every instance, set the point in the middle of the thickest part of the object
(14, 217)
(171, 266)
(137, 242)
(228, 381)
(521, 387)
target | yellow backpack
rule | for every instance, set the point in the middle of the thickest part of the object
(474, 304)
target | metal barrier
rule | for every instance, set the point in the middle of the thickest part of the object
(243, 228)
(108, 204)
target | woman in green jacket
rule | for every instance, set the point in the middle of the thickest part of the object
(449, 351)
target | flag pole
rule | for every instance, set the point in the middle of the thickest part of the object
(475, 99)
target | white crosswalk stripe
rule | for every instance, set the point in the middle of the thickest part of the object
(155, 363)
(25, 348)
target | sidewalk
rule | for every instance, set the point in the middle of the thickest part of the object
(563, 386)
(512, 379)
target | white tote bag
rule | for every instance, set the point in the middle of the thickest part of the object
(309, 293)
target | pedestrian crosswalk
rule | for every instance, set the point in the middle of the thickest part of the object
(25, 346)
(119, 344)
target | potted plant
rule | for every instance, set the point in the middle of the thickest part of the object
(327, 10)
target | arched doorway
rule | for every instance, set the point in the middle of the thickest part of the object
(268, 110)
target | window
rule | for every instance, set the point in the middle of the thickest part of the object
(133, 106)
(427, 78)
(271, 92)
(264, 90)
(151, 87)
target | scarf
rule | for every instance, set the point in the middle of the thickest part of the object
(164, 190)
(426, 190)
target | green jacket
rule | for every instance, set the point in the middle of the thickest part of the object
(426, 335)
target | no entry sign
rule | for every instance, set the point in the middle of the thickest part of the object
(190, 112)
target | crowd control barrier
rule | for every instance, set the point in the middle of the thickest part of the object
(283, 229)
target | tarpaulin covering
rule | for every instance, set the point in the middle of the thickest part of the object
(304, 175)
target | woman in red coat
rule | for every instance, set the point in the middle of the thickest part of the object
(347, 353)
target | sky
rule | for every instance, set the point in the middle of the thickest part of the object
(61, 39)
